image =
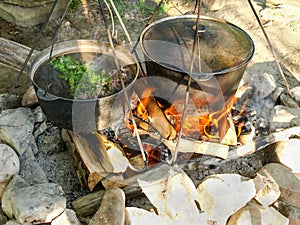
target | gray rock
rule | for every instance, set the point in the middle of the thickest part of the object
(264, 84)
(9, 166)
(50, 140)
(32, 145)
(289, 211)
(30, 16)
(30, 169)
(9, 101)
(39, 115)
(15, 184)
(16, 127)
(40, 203)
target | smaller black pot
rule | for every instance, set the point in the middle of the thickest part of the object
(77, 114)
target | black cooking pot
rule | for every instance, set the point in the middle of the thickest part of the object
(221, 55)
(82, 115)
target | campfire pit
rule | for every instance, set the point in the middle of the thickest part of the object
(158, 103)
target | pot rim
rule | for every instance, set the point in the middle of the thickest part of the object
(230, 69)
(75, 46)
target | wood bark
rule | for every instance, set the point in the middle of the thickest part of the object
(90, 156)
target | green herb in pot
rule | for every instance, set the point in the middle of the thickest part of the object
(83, 82)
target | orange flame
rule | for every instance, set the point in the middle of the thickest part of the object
(194, 125)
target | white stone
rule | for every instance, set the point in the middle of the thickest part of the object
(16, 126)
(15, 184)
(14, 222)
(40, 203)
(29, 97)
(39, 115)
(173, 194)
(267, 191)
(219, 196)
(284, 117)
(137, 216)
(287, 153)
(68, 217)
(253, 214)
(9, 166)
(289, 183)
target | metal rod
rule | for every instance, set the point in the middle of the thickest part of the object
(271, 48)
(53, 43)
(144, 154)
(195, 42)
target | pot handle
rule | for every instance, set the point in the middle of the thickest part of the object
(43, 95)
(201, 76)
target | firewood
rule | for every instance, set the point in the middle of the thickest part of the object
(92, 159)
(197, 146)
(13, 54)
(88, 204)
(202, 147)
(158, 119)
(227, 132)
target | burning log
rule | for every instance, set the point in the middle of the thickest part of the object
(159, 121)
(157, 118)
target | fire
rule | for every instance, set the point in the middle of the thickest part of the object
(200, 125)
(195, 126)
